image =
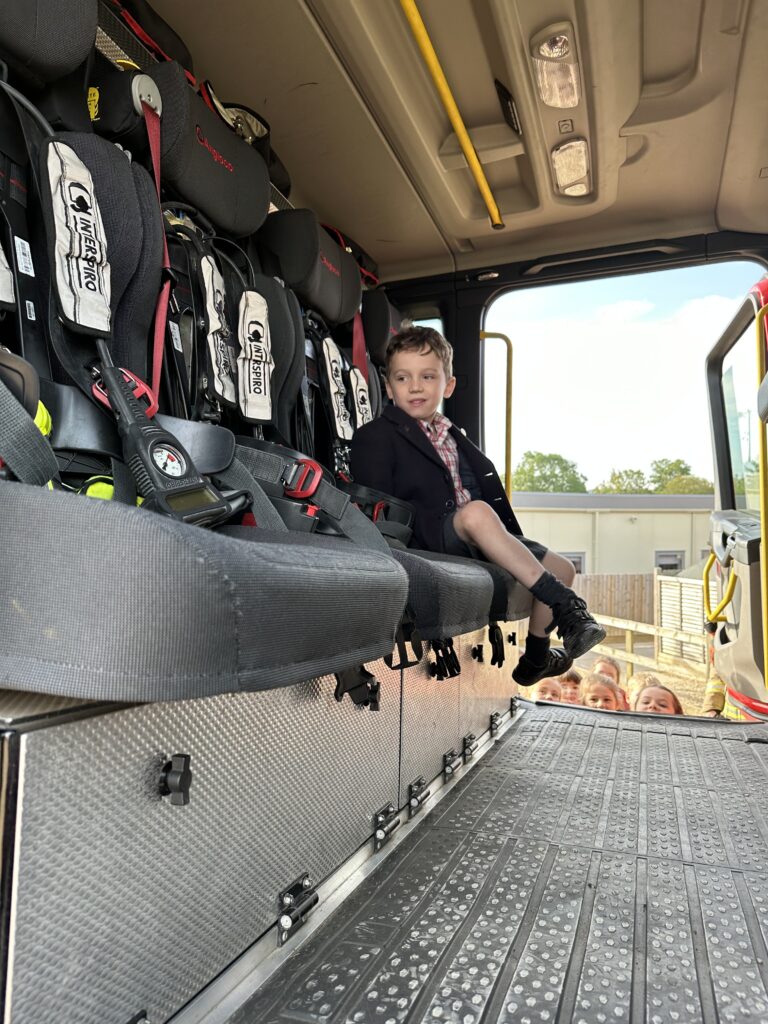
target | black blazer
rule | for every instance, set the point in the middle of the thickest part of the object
(394, 455)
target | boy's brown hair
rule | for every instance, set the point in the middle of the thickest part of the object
(571, 676)
(411, 338)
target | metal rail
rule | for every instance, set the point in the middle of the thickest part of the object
(484, 335)
(432, 61)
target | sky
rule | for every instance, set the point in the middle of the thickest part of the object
(610, 373)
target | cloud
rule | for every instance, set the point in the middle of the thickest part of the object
(620, 312)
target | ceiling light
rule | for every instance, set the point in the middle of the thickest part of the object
(556, 67)
(570, 162)
(555, 47)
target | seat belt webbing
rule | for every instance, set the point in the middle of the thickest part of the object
(152, 121)
(23, 448)
(359, 357)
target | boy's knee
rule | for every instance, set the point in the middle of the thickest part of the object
(473, 516)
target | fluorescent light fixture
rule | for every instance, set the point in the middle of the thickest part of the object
(556, 66)
(570, 162)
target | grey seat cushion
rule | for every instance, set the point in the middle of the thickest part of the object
(107, 602)
(511, 600)
(447, 597)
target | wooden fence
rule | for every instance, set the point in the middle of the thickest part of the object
(618, 595)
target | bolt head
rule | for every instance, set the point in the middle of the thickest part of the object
(307, 882)
(287, 900)
(285, 923)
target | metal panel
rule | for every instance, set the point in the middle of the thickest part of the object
(430, 723)
(559, 881)
(483, 688)
(125, 903)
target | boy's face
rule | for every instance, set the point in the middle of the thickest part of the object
(417, 384)
(569, 691)
(547, 689)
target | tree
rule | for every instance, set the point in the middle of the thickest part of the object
(664, 470)
(687, 484)
(547, 472)
(624, 481)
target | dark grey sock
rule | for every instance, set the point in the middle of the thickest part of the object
(536, 648)
(549, 590)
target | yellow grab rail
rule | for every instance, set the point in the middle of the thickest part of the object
(763, 466)
(508, 426)
(717, 614)
(432, 61)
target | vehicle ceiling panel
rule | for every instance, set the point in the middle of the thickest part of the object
(673, 108)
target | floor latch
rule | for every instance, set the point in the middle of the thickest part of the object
(293, 906)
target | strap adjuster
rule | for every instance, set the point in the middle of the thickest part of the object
(302, 479)
(139, 388)
(145, 91)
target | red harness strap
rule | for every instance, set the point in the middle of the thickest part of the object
(359, 357)
(152, 121)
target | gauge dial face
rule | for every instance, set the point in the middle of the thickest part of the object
(168, 460)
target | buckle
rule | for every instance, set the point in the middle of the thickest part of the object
(139, 388)
(302, 479)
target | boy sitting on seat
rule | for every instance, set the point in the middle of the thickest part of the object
(416, 454)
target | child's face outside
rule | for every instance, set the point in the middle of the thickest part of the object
(569, 691)
(606, 669)
(656, 701)
(547, 689)
(417, 384)
(601, 697)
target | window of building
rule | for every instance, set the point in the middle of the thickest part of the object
(579, 559)
(669, 561)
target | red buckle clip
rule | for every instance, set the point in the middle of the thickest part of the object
(379, 510)
(140, 390)
(302, 479)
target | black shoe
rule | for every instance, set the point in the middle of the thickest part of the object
(526, 673)
(576, 627)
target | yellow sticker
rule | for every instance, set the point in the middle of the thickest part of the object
(93, 103)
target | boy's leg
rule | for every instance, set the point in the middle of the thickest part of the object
(477, 523)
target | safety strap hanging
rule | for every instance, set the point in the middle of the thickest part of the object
(359, 353)
(147, 99)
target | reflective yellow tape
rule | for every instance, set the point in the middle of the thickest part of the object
(43, 420)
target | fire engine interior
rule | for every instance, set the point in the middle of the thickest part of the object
(261, 759)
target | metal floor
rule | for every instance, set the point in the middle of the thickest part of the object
(593, 867)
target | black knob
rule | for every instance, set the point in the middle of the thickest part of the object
(176, 779)
(512, 639)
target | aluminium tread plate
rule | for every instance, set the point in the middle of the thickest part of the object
(592, 868)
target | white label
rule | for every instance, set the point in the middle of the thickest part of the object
(255, 362)
(82, 271)
(219, 334)
(334, 368)
(24, 256)
(173, 327)
(30, 310)
(7, 293)
(360, 397)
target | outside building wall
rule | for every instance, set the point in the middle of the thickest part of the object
(624, 540)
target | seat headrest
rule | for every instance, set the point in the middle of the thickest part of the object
(380, 321)
(324, 277)
(44, 40)
(205, 162)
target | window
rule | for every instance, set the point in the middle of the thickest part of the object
(608, 378)
(670, 561)
(579, 559)
(743, 424)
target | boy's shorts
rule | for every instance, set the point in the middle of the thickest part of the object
(454, 545)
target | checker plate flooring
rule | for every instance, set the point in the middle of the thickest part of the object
(592, 868)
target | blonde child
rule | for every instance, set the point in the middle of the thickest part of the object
(601, 692)
(636, 683)
(657, 700)
(546, 689)
(570, 683)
